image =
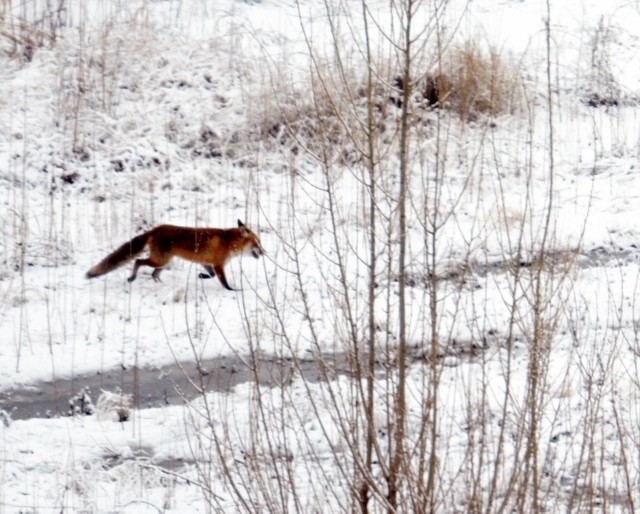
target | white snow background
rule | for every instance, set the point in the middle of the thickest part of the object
(148, 112)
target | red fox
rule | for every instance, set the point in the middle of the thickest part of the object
(211, 247)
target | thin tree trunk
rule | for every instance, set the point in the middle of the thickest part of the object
(397, 456)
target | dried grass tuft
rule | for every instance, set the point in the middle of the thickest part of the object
(473, 82)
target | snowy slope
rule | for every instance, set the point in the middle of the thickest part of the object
(144, 113)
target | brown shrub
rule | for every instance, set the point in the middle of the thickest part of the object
(472, 82)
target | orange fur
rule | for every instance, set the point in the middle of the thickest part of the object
(211, 247)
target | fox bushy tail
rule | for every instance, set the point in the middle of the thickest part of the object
(120, 256)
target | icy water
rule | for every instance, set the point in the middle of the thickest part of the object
(169, 385)
(178, 383)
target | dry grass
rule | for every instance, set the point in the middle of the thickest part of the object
(473, 82)
(322, 115)
(469, 80)
(20, 37)
(19, 40)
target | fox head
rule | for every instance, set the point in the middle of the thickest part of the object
(251, 242)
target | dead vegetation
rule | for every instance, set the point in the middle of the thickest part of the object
(468, 81)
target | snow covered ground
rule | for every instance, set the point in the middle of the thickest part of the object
(142, 113)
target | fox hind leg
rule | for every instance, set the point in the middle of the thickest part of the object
(156, 263)
(155, 275)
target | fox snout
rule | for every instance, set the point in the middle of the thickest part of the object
(257, 251)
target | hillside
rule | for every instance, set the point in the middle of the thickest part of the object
(444, 318)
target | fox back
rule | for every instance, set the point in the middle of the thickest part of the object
(204, 245)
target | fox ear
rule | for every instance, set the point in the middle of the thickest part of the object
(240, 224)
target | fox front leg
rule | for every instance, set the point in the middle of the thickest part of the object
(213, 271)
(210, 272)
(220, 272)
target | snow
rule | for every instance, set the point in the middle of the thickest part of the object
(144, 113)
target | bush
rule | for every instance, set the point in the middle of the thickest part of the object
(472, 82)
(20, 37)
(467, 80)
